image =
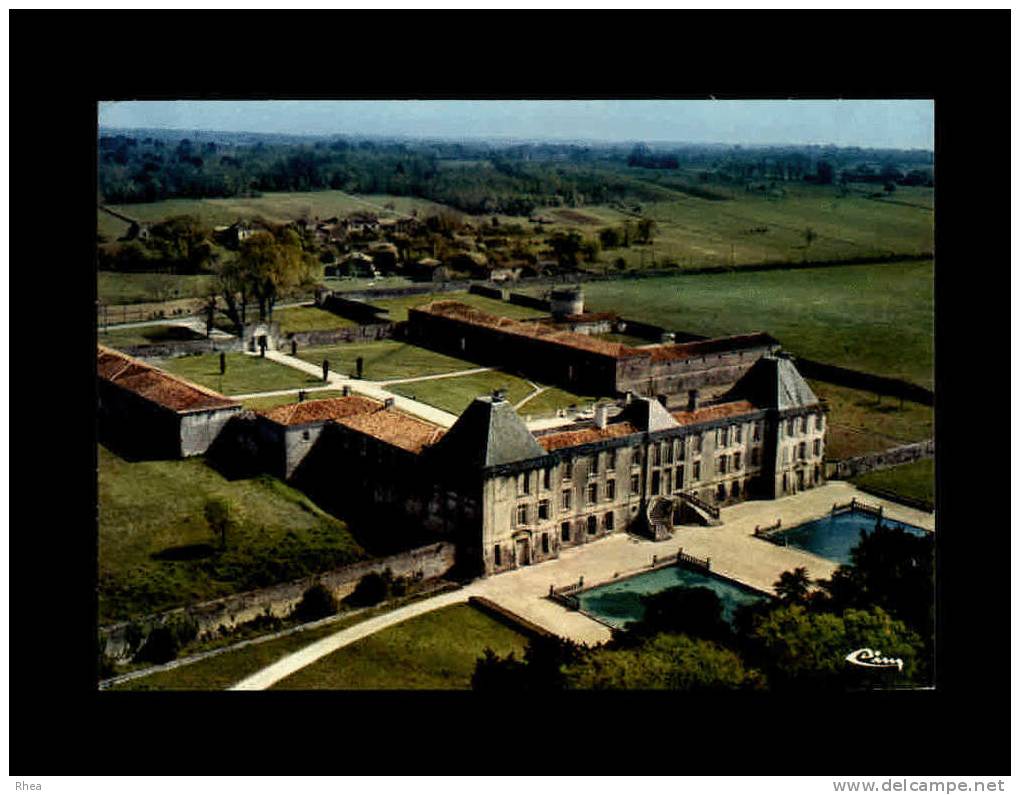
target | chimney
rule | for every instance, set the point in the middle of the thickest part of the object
(388, 403)
(692, 400)
(498, 395)
(628, 398)
(601, 415)
(301, 395)
(346, 391)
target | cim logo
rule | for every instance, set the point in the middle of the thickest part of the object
(871, 658)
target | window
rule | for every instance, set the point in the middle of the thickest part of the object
(678, 481)
(738, 434)
(546, 478)
(566, 499)
(655, 483)
(611, 459)
(696, 474)
(802, 451)
(720, 493)
(785, 481)
(635, 456)
(497, 556)
(656, 455)
(593, 493)
(306, 435)
(543, 509)
(667, 452)
(722, 437)
(565, 531)
(735, 489)
(786, 456)
(610, 489)
(818, 422)
(545, 543)
(720, 465)
(522, 514)
(755, 456)
(524, 486)
(803, 424)
(568, 470)
(681, 449)
(791, 426)
(668, 476)
(697, 443)
(817, 447)
(609, 521)
(635, 484)
(593, 525)
(736, 461)
(595, 460)
(756, 432)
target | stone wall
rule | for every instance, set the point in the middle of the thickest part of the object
(169, 350)
(498, 293)
(199, 429)
(427, 562)
(851, 467)
(529, 300)
(363, 333)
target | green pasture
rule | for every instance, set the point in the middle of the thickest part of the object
(915, 480)
(309, 318)
(244, 375)
(384, 360)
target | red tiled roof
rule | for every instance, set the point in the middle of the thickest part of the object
(533, 329)
(709, 413)
(556, 441)
(158, 386)
(320, 410)
(395, 428)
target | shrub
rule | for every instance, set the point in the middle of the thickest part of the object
(317, 602)
(165, 641)
(371, 589)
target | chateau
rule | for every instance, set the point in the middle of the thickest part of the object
(509, 496)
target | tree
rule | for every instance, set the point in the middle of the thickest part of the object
(792, 587)
(824, 172)
(646, 228)
(802, 649)
(541, 670)
(566, 246)
(498, 674)
(610, 237)
(219, 516)
(371, 589)
(317, 602)
(682, 611)
(664, 662)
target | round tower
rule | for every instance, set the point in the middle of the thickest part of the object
(567, 301)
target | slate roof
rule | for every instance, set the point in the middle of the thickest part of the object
(309, 411)
(773, 382)
(488, 433)
(155, 385)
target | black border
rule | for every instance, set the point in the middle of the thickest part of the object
(60, 724)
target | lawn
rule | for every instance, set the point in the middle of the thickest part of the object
(434, 651)
(551, 399)
(384, 360)
(145, 335)
(863, 422)
(245, 374)
(915, 480)
(156, 550)
(455, 394)
(110, 227)
(308, 318)
(398, 307)
(876, 318)
(266, 403)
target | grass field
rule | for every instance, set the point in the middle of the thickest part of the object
(156, 550)
(111, 228)
(384, 360)
(140, 288)
(245, 374)
(265, 403)
(876, 318)
(455, 394)
(398, 307)
(309, 318)
(275, 207)
(551, 399)
(862, 422)
(145, 335)
(434, 651)
(915, 480)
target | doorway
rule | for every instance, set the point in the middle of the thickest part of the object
(523, 552)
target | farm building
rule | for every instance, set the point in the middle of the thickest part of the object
(154, 412)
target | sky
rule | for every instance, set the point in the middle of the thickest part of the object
(901, 124)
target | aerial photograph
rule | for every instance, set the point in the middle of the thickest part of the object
(515, 395)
